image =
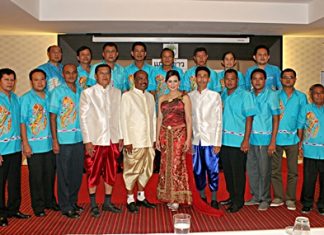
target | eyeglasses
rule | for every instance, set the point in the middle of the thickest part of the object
(288, 77)
(203, 76)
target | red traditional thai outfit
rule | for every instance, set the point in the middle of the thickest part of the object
(173, 181)
(176, 180)
(102, 163)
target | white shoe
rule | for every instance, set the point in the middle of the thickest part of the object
(291, 205)
(174, 206)
(276, 202)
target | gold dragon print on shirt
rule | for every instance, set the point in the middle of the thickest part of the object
(68, 114)
(38, 120)
(312, 125)
(282, 109)
(5, 120)
(83, 82)
(193, 83)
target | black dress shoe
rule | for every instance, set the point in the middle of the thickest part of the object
(234, 209)
(95, 212)
(55, 207)
(321, 211)
(19, 215)
(112, 208)
(204, 199)
(3, 221)
(214, 204)
(306, 209)
(71, 214)
(40, 214)
(78, 208)
(145, 203)
(132, 208)
(226, 202)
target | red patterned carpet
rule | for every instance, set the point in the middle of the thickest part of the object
(157, 220)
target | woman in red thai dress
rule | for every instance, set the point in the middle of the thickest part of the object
(174, 131)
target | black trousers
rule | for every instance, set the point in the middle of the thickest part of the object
(69, 164)
(234, 165)
(10, 174)
(312, 169)
(41, 180)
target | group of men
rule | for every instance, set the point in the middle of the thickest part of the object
(83, 116)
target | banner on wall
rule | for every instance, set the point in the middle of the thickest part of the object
(181, 63)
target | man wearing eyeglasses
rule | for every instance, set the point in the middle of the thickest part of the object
(288, 140)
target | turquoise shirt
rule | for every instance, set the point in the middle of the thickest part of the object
(157, 82)
(35, 115)
(311, 119)
(9, 124)
(188, 83)
(54, 76)
(65, 104)
(290, 108)
(118, 77)
(83, 77)
(132, 68)
(273, 77)
(237, 107)
(267, 104)
(241, 79)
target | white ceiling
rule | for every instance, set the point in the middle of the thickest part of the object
(263, 17)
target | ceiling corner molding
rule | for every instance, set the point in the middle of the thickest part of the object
(32, 7)
(315, 10)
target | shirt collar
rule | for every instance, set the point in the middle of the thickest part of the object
(4, 95)
(101, 88)
(203, 91)
(139, 91)
(261, 93)
(35, 94)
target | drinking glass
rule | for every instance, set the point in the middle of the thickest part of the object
(302, 226)
(181, 223)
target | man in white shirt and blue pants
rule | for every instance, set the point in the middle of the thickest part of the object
(207, 134)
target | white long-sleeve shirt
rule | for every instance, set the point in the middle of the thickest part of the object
(206, 118)
(100, 114)
(138, 118)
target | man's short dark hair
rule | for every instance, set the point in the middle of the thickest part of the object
(140, 71)
(198, 49)
(7, 71)
(102, 66)
(259, 71)
(82, 48)
(167, 49)
(36, 71)
(317, 85)
(109, 44)
(138, 44)
(202, 68)
(261, 47)
(231, 71)
(288, 70)
(50, 47)
(68, 64)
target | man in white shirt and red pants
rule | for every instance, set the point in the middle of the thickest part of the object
(207, 134)
(138, 125)
(99, 115)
